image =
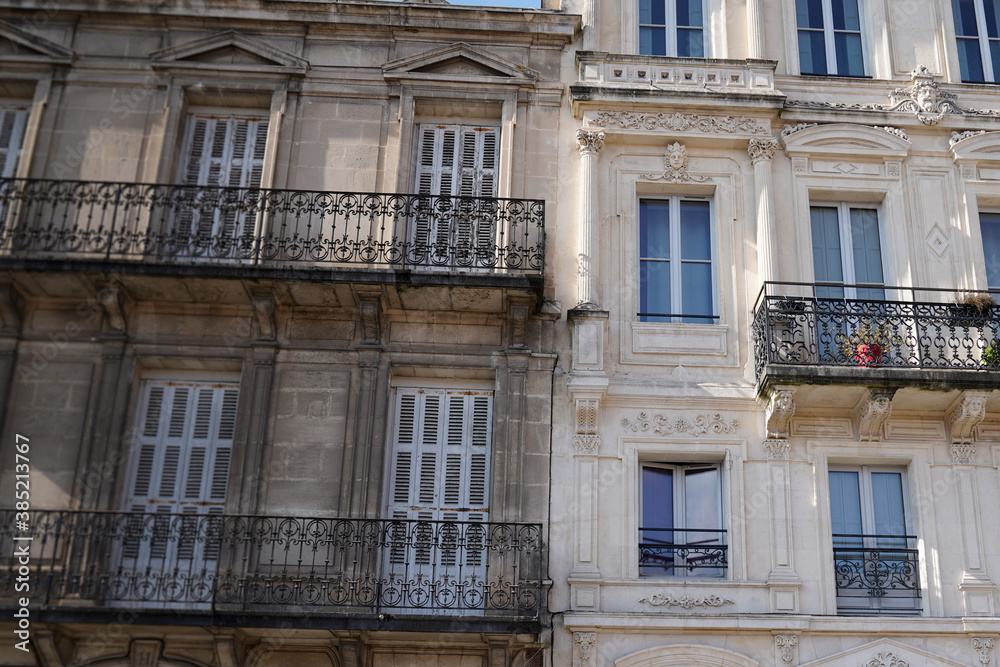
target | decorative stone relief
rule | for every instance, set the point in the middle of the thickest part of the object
(873, 413)
(584, 644)
(887, 659)
(959, 136)
(924, 98)
(780, 408)
(937, 240)
(776, 450)
(675, 167)
(983, 646)
(586, 440)
(589, 141)
(965, 415)
(710, 424)
(786, 645)
(800, 165)
(110, 299)
(968, 171)
(893, 131)
(679, 122)
(792, 129)
(893, 168)
(686, 602)
(518, 311)
(263, 312)
(964, 454)
(762, 149)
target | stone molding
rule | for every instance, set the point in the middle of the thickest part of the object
(685, 602)
(679, 122)
(675, 163)
(786, 645)
(584, 644)
(983, 646)
(707, 424)
(589, 141)
(962, 136)
(777, 449)
(873, 414)
(963, 454)
(965, 415)
(762, 149)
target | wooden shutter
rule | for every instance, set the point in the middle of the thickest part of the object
(12, 123)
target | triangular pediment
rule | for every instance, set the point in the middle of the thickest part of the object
(19, 45)
(459, 62)
(229, 51)
(883, 653)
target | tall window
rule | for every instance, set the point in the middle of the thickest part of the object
(847, 248)
(875, 559)
(680, 529)
(12, 123)
(675, 261)
(978, 39)
(672, 28)
(989, 224)
(830, 39)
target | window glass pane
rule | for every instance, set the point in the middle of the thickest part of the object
(654, 229)
(691, 43)
(845, 507)
(696, 283)
(970, 60)
(850, 61)
(990, 225)
(652, 42)
(809, 13)
(845, 15)
(812, 52)
(645, 12)
(656, 539)
(964, 12)
(654, 290)
(696, 235)
(702, 495)
(992, 8)
(867, 247)
(887, 500)
(689, 13)
(826, 245)
(995, 57)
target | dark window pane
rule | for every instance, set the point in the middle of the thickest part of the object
(689, 13)
(970, 60)
(812, 52)
(690, 43)
(989, 223)
(992, 8)
(654, 229)
(845, 15)
(652, 42)
(658, 12)
(645, 12)
(809, 14)
(696, 283)
(654, 289)
(995, 57)
(965, 18)
(850, 61)
(696, 233)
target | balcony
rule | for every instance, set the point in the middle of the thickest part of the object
(827, 334)
(876, 574)
(269, 233)
(675, 552)
(376, 573)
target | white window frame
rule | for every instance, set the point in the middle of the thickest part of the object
(984, 44)
(830, 43)
(670, 27)
(847, 244)
(14, 151)
(679, 503)
(676, 285)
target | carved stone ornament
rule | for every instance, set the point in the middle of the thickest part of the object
(873, 414)
(586, 444)
(584, 643)
(983, 646)
(710, 424)
(786, 647)
(762, 149)
(959, 136)
(679, 122)
(675, 167)
(923, 97)
(887, 659)
(780, 408)
(370, 330)
(963, 454)
(517, 315)
(586, 440)
(110, 299)
(263, 312)
(776, 450)
(589, 141)
(792, 129)
(966, 415)
(686, 602)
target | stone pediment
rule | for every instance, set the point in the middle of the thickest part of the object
(883, 653)
(459, 62)
(229, 51)
(845, 139)
(977, 146)
(22, 46)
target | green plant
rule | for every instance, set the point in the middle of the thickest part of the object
(869, 341)
(991, 355)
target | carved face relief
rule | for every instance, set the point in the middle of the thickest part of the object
(676, 156)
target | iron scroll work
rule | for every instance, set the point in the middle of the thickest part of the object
(266, 564)
(180, 223)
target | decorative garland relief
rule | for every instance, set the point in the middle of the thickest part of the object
(708, 424)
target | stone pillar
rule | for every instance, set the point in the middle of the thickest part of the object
(755, 29)
(782, 582)
(590, 144)
(761, 153)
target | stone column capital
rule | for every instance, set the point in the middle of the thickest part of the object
(590, 142)
(762, 149)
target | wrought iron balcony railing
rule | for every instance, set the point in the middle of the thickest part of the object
(171, 224)
(876, 574)
(800, 327)
(265, 565)
(682, 552)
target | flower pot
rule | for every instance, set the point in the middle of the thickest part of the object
(868, 356)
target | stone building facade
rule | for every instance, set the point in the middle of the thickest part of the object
(278, 330)
(777, 443)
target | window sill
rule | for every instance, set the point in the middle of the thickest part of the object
(678, 338)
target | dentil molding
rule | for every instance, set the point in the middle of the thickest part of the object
(708, 424)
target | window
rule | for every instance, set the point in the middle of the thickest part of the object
(680, 527)
(875, 560)
(179, 474)
(457, 160)
(847, 249)
(978, 39)
(672, 28)
(12, 123)
(989, 224)
(675, 261)
(830, 40)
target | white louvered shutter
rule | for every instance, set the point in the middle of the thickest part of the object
(181, 466)
(12, 124)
